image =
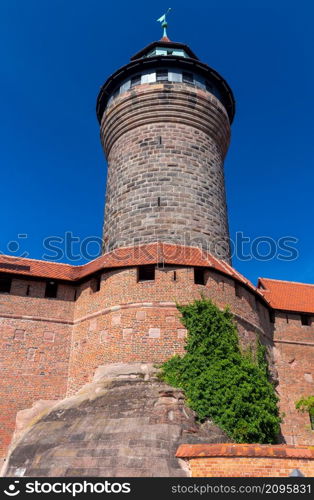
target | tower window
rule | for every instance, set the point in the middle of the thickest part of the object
(209, 86)
(146, 273)
(5, 285)
(51, 289)
(305, 320)
(199, 276)
(135, 80)
(28, 289)
(161, 75)
(174, 275)
(187, 77)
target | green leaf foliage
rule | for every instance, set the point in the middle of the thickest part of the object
(220, 382)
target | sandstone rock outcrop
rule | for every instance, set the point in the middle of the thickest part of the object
(125, 423)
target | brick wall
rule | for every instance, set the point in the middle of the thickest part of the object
(165, 145)
(235, 460)
(294, 357)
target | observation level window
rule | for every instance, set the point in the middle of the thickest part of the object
(135, 80)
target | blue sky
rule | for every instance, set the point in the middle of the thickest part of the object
(55, 55)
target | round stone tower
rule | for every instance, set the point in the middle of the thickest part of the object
(165, 127)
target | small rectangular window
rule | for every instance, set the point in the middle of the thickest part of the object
(174, 275)
(161, 75)
(272, 316)
(305, 320)
(5, 285)
(199, 276)
(187, 77)
(136, 80)
(51, 289)
(146, 273)
(28, 290)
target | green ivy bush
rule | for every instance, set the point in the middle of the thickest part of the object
(220, 382)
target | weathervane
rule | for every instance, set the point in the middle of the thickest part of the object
(164, 23)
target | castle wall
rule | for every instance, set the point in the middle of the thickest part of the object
(294, 357)
(165, 145)
(34, 349)
(129, 320)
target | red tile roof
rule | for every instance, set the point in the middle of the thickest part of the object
(288, 295)
(154, 253)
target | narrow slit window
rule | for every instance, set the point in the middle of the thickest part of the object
(174, 275)
(5, 285)
(199, 276)
(162, 75)
(187, 77)
(75, 295)
(28, 289)
(146, 273)
(158, 201)
(51, 289)
(305, 320)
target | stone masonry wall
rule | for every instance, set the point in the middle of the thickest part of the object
(165, 145)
